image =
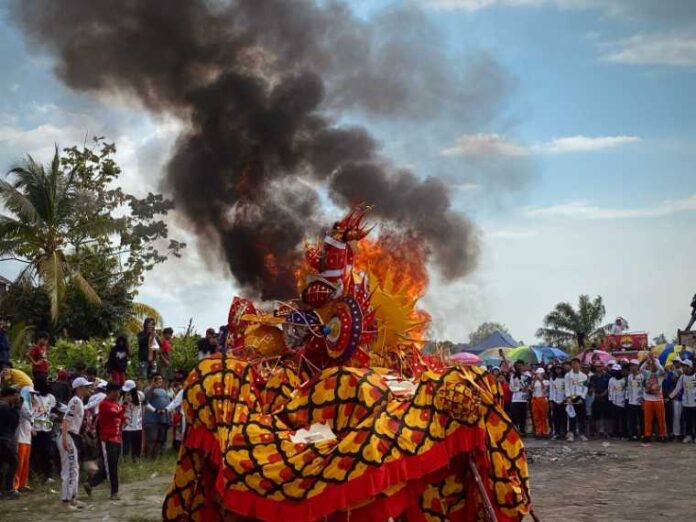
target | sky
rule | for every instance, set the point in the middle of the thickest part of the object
(578, 170)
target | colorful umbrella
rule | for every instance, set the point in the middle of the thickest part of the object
(586, 356)
(491, 356)
(466, 358)
(670, 351)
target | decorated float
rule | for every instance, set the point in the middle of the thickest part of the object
(324, 407)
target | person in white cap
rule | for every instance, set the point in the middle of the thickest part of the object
(634, 398)
(617, 399)
(69, 444)
(653, 399)
(540, 403)
(576, 391)
(674, 413)
(557, 399)
(686, 386)
(133, 400)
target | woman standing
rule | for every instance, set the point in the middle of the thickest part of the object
(132, 420)
(117, 364)
(44, 402)
(540, 403)
(557, 398)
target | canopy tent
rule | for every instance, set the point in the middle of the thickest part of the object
(497, 339)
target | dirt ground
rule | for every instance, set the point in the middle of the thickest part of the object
(573, 482)
(608, 480)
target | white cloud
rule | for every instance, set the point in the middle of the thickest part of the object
(511, 234)
(484, 145)
(586, 211)
(479, 146)
(675, 49)
(584, 143)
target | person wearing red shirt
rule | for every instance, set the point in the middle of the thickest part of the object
(165, 354)
(109, 426)
(38, 355)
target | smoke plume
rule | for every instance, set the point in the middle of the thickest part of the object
(260, 84)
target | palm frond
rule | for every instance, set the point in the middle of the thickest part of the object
(51, 271)
(141, 311)
(85, 288)
(18, 203)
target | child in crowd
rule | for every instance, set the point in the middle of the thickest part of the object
(540, 403)
(576, 391)
(686, 386)
(557, 397)
(117, 363)
(653, 402)
(617, 400)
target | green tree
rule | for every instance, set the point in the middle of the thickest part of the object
(484, 330)
(85, 242)
(564, 324)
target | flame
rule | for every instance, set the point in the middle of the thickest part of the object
(397, 272)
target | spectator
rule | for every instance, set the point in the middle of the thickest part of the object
(599, 387)
(38, 355)
(10, 376)
(178, 419)
(24, 432)
(44, 402)
(9, 421)
(110, 424)
(165, 353)
(60, 388)
(617, 400)
(156, 420)
(674, 413)
(653, 405)
(686, 386)
(133, 400)
(519, 386)
(80, 368)
(70, 444)
(117, 363)
(540, 403)
(147, 339)
(576, 391)
(634, 399)
(5, 347)
(557, 397)
(207, 345)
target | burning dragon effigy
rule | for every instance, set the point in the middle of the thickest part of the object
(326, 409)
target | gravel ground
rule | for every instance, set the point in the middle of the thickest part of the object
(612, 480)
(571, 482)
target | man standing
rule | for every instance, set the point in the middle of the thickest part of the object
(686, 387)
(9, 420)
(38, 355)
(599, 386)
(109, 426)
(165, 355)
(576, 391)
(5, 347)
(207, 345)
(673, 413)
(519, 386)
(156, 419)
(617, 398)
(634, 398)
(70, 444)
(147, 340)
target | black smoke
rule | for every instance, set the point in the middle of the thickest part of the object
(259, 84)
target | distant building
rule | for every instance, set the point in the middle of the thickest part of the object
(4, 285)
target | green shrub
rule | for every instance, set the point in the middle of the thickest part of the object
(184, 353)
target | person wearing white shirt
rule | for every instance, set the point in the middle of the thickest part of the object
(69, 443)
(634, 398)
(44, 403)
(686, 385)
(132, 435)
(557, 398)
(540, 403)
(617, 400)
(576, 391)
(653, 402)
(519, 386)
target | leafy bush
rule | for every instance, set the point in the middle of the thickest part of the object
(184, 353)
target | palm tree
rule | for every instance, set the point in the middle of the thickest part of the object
(42, 202)
(565, 323)
(137, 314)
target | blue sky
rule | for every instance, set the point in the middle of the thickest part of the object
(582, 180)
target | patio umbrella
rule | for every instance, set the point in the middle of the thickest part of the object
(526, 354)
(466, 358)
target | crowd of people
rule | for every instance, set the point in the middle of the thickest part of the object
(73, 422)
(623, 399)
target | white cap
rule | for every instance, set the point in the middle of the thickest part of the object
(611, 362)
(101, 383)
(539, 371)
(687, 362)
(634, 361)
(616, 367)
(81, 381)
(677, 360)
(128, 385)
